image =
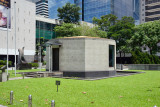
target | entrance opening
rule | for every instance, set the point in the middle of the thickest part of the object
(111, 55)
(55, 60)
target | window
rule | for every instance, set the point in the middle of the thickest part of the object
(111, 55)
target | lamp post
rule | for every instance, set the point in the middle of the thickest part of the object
(7, 36)
(15, 34)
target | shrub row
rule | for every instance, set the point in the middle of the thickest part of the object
(34, 64)
(144, 58)
(4, 62)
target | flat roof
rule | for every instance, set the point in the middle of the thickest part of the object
(47, 20)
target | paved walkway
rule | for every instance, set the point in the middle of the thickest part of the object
(17, 78)
(2, 106)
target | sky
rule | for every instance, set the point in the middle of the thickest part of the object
(54, 5)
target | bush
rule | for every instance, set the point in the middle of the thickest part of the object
(5, 62)
(144, 58)
(34, 64)
(44, 63)
(2, 62)
(1, 66)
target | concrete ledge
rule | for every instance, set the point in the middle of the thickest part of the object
(144, 66)
(89, 74)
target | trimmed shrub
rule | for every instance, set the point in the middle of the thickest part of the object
(1, 66)
(5, 62)
(144, 58)
(34, 64)
(44, 63)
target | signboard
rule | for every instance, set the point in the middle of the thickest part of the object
(5, 13)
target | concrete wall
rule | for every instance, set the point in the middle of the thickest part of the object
(97, 54)
(72, 55)
(25, 29)
(144, 66)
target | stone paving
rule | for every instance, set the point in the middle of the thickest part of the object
(16, 78)
(2, 106)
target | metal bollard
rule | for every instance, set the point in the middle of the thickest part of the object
(23, 75)
(30, 101)
(11, 97)
(8, 76)
(52, 103)
(121, 66)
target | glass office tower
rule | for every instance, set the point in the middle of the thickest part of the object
(98, 8)
(54, 5)
(136, 11)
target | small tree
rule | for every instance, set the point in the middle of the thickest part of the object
(69, 13)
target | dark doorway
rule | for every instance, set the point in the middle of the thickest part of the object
(55, 60)
(111, 55)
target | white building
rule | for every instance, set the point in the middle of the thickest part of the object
(23, 12)
(42, 8)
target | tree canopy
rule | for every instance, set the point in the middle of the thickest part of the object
(69, 13)
(105, 22)
(147, 34)
(122, 31)
(69, 29)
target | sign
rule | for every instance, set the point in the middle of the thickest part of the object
(5, 13)
(57, 82)
(5, 3)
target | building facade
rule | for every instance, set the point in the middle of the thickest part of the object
(54, 5)
(150, 10)
(98, 8)
(45, 28)
(22, 24)
(42, 8)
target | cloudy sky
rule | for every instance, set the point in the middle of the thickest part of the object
(54, 5)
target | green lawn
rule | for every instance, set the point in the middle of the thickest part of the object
(141, 90)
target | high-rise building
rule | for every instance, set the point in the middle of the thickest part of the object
(136, 11)
(54, 5)
(150, 10)
(98, 8)
(42, 8)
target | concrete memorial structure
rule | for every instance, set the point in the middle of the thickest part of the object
(3, 74)
(82, 56)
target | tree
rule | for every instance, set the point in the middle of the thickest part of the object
(147, 34)
(68, 29)
(105, 22)
(122, 31)
(69, 13)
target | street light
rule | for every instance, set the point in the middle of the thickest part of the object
(7, 36)
(15, 34)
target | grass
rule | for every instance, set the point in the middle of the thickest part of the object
(141, 90)
(12, 72)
